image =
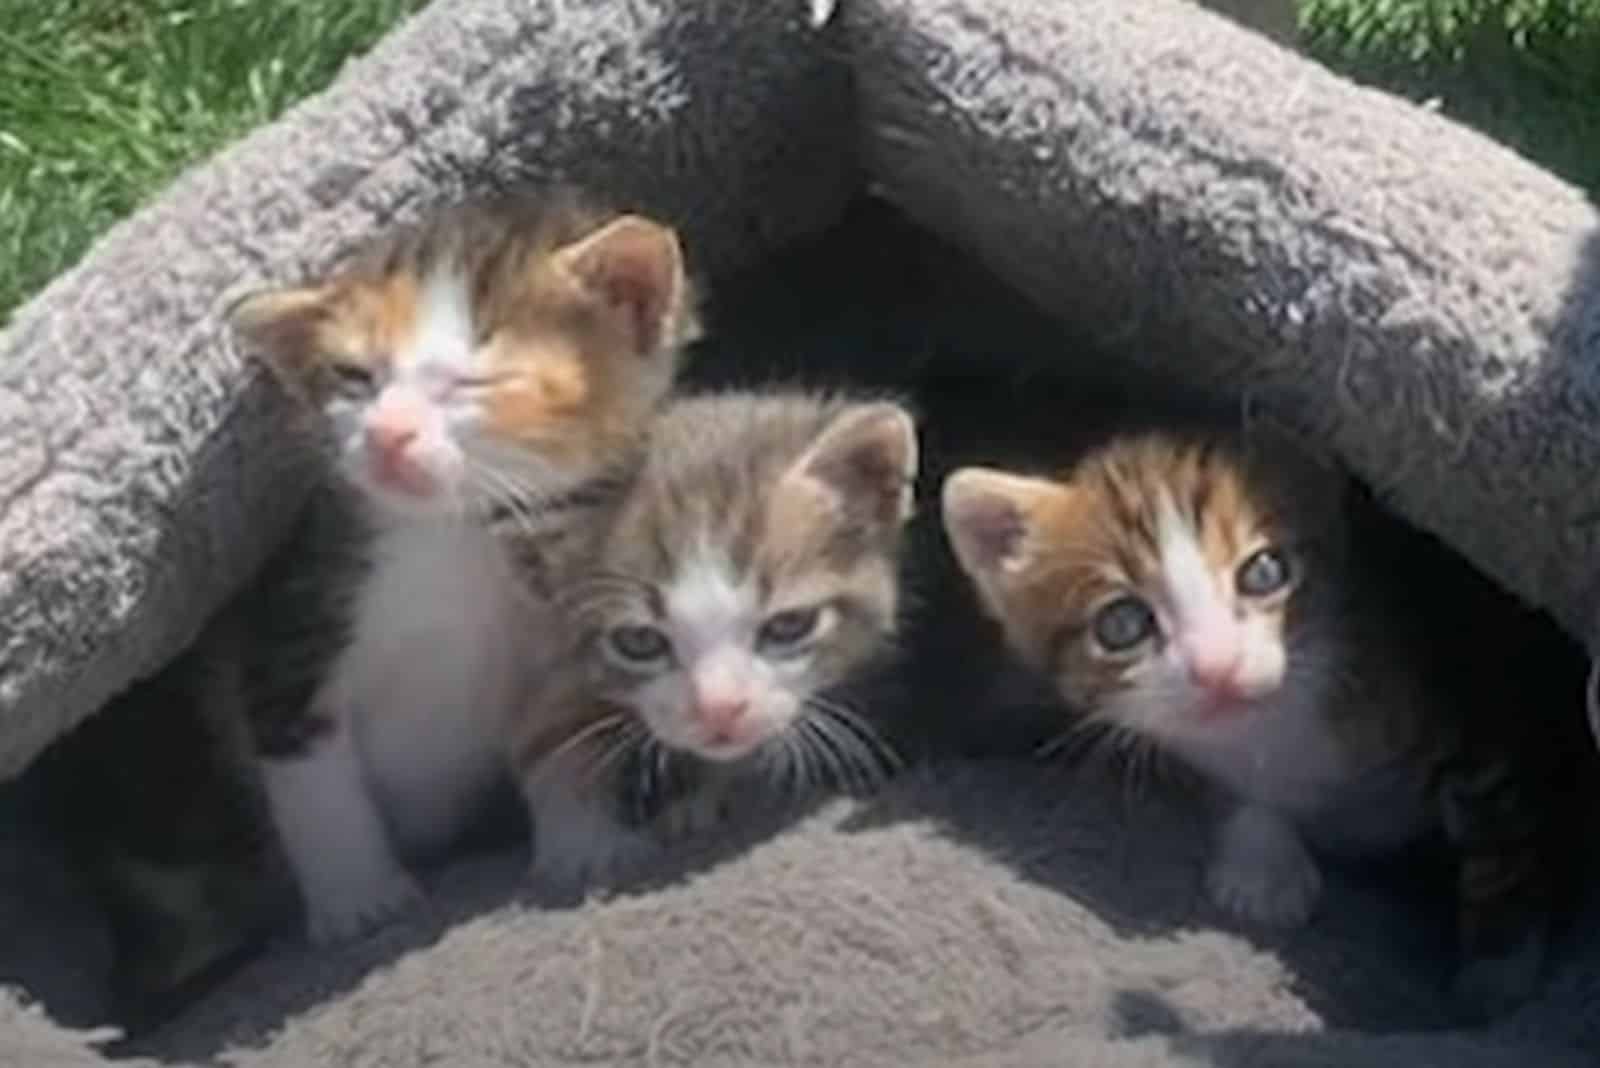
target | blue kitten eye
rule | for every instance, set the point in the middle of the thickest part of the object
(790, 627)
(638, 643)
(1124, 624)
(1266, 572)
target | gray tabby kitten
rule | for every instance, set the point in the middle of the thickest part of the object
(724, 626)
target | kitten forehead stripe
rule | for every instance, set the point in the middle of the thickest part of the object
(444, 333)
(1188, 574)
(708, 602)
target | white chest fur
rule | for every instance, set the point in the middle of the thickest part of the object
(1281, 753)
(1285, 757)
(430, 676)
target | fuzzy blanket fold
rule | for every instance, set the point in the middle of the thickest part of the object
(144, 470)
(1203, 204)
(1423, 296)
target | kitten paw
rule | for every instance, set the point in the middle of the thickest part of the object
(1262, 873)
(350, 912)
(568, 864)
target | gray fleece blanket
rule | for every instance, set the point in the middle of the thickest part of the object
(1200, 202)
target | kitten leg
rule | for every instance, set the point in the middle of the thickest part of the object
(1504, 888)
(1261, 871)
(335, 839)
(579, 839)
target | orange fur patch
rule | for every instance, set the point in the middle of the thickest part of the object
(368, 323)
(564, 371)
(1094, 536)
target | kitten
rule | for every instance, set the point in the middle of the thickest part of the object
(725, 628)
(492, 358)
(1199, 593)
(495, 358)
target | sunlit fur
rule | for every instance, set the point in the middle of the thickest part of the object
(747, 507)
(517, 346)
(483, 362)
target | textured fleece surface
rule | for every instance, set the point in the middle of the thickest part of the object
(145, 469)
(1201, 202)
(33, 1041)
(1240, 218)
(973, 915)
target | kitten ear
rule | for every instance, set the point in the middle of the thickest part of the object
(281, 324)
(635, 266)
(866, 459)
(988, 515)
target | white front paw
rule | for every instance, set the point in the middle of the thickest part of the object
(570, 868)
(339, 913)
(1262, 873)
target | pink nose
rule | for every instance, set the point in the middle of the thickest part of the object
(721, 716)
(394, 422)
(1214, 666)
(388, 436)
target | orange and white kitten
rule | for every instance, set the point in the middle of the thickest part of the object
(493, 358)
(725, 627)
(1181, 590)
(1203, 593)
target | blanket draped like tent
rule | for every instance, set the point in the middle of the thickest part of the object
(1187, 198)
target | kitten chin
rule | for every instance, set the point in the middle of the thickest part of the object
(470, 369)
(724, 628)
(1200, 593)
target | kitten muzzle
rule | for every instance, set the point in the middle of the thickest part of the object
(727, 730)
(389, 435)
(1214, 658)
(1220, 706)
(1214, 662)
(396, 472)
(1221, 691)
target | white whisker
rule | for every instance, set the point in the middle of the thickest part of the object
(850, 745)
(631, 738)
(612, 722)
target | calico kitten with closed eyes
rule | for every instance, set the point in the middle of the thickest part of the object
(726, 627)
(1196, 592)
(492, 359)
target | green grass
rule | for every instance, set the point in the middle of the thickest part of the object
(1526, 72)
(103, 101)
